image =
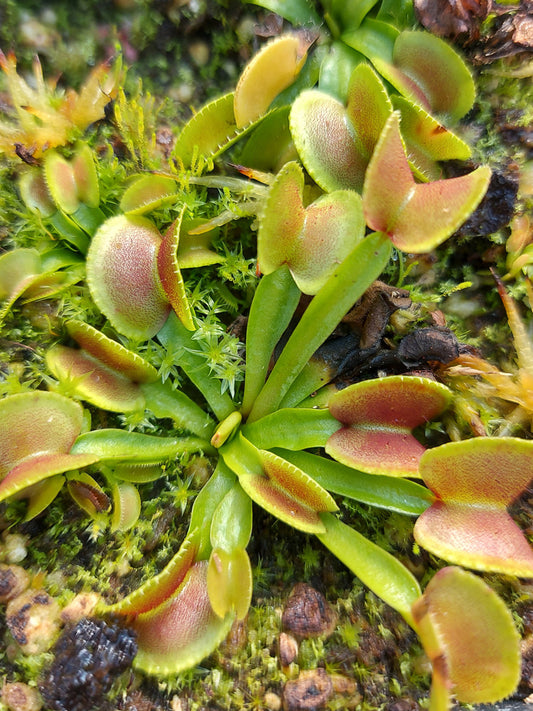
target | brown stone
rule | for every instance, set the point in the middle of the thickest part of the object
(33, 620)
(13, 581)
(308, 613)
(288, 649)
(311, 690)
(21, 697)
(82, 605)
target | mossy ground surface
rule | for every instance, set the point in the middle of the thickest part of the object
(187, 52)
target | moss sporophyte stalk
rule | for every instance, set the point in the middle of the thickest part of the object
(332, 151)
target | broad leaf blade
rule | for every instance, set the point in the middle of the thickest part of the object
(325, 311)
(273, 306)
(120, 445)
(391, 493)
(297, 12)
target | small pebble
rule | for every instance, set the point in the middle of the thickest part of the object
(13, 581)
(33, 620)
(308, 613)
(184, 92)
(80, 606)
(21, 697)
(272, 701)
(199, 53)
(311, 690)
(15, 547)
(288, 649)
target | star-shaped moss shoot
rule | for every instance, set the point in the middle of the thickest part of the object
(101, 371)
(416, 216)
(37, 431)
(474, 481)
(25, 272)
(469, 636)
(311, 240)
(378, 417)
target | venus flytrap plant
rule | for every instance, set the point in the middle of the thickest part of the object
(28, 274)
(285, 489)
(102, 371)
(134, 272)
(403, 208)
(106, 374)
(73, 185)
(336, 141)
(35, 457)
(378, 417)
(49, 448)
(417, 64)
(312, 240)
(330, 304)
(65, 194)
(232, 116)
(182, 614)
(292, 234)
(427, 81)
